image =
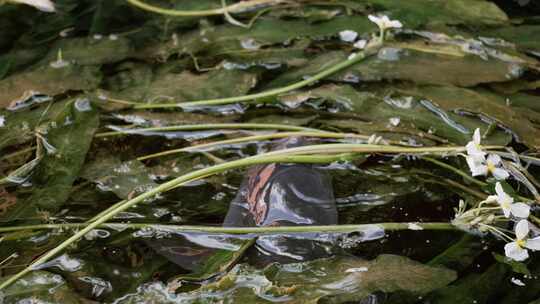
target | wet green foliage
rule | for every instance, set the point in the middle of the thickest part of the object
(67, 78)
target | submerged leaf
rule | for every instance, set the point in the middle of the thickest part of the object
(69, 136)
(125, 179)
(335, 280)
(36, 287)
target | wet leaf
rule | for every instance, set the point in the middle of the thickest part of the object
(349, 280)
(94, 50)
(390, 109)
(37, 286)
(461, 254)
(47, 80)
(517, 267)
(484, 104)
(473, 287)
(418, 12)
(520, 35)
(331, 280)
(216, 261)
(187, 86)
(125, 179)
(70, 135)
(265, 32)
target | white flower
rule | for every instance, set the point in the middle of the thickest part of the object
(517, 250)
(482, 166)
(42, 5)
(348, 35)
(476, 165)
(506, 202)
(474, 149)
(384, 23)
(493, 166)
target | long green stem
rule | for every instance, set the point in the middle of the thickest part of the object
(269, 93)
(237, 230)
(254, 138)
(272, 157)
(216, 126)
(237, 7)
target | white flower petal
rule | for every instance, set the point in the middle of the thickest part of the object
(513, 251)
(506, 211)
(494, 159)
(42, 5)
(374, 19)
(383, 22)
(533, 244)
(521, 210)
(500, 173)
(474, 150)
(348, 35)
(360, 44)
(499, 189)
(479, 170)
(394, 24)
(502, 197)
(522, 229)
(476, 136)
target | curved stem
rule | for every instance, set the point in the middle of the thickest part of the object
(234, 8)
(215, 126)
(239, 230)
(269, 93)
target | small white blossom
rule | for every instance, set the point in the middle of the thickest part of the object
(394, 121)
(494, 166)
(348, 35)
(383, 22)
(42, 5)
(474, 149)
(414, 226)
(374, 139)
(482, 166)
(506, 202)
(476, 165)
(360, 44)
(518, 249)
(517, 281)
